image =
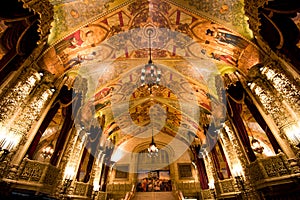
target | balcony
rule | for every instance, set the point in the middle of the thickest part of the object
(36, 176)
(274, 175)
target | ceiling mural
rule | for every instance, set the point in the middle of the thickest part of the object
(73, 14)
(111, 50)
(229, 13)
(181, 32)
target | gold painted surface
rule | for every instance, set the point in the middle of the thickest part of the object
(229, 13)
(110, 49)
(71, 15)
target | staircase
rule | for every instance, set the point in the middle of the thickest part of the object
(154, 196)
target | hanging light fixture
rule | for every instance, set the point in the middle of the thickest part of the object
(150, 74)
(152, 150)
(48, 151)
(256, 146)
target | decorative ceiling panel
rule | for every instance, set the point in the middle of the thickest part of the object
(109, 50)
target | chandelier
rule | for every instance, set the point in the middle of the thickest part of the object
(150, 74)
(48, 151)
(152, 150)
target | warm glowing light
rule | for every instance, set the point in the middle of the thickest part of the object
(69, 173)
(153, 150)
(8, 139)
(211, 184)
(293, 133)
(237, 170)
(48, 151)
(96, 185)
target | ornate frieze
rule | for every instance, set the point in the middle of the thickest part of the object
(252, 11)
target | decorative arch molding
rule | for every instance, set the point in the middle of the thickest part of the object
(45, 11)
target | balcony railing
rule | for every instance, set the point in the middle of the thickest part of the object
(36, 175)
(118, 190)
(270, 169)
(226, 188)
(83, 190)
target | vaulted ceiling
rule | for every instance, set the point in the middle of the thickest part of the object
(106, 44)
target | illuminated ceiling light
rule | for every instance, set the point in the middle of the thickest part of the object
(152, 150)
(256, 146)
(48, 151)
(150, 74)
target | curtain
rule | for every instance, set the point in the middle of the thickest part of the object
(260, 120)
(235, 100)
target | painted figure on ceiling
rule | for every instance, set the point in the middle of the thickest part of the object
(80, 58)
(72, 41)
(224, 37)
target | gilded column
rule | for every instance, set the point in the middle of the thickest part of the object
(20, 127)
(15, 96)
(68, 149)
(72, 158)
(278, 112)
(240, 165)
(285, 86)
(240, 155)
(210, 170)
(229, 151)
(97, 168)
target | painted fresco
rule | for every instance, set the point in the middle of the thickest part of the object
(177, 33)
(111, 50)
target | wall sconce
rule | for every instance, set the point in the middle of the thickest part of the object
(3, 154)
(211, 186)
(237, 172)
(8, 141)
(66, 185)
(68, 178)
(96, 188)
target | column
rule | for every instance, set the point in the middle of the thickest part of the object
(96, 172)
(273, 106)
(28, 118)
(239, 163)
(72, 158)
(210, 170)
(229, 151)
(69, 147)
(239, 157)
(284, 85)
(16, 95)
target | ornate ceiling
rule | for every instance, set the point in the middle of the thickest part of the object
(194, 44)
